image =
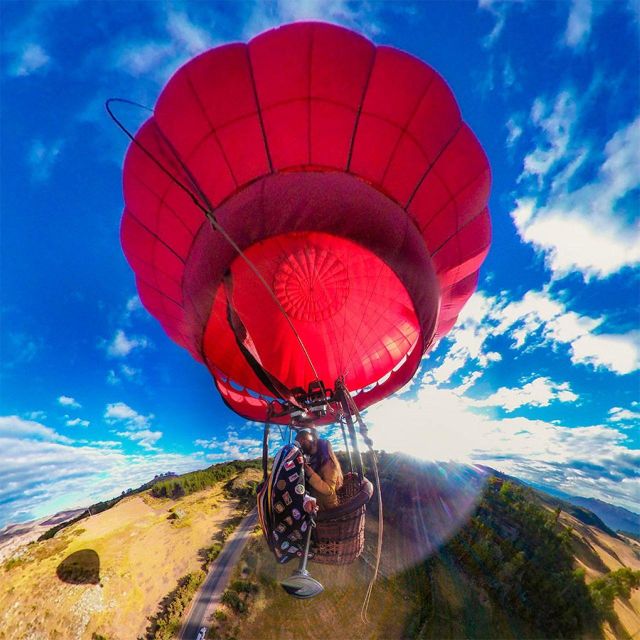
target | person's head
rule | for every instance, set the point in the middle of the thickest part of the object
(307, 438)
(324, 455)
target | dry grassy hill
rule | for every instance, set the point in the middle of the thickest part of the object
(598, 553)
(454, 593)
(105, 575)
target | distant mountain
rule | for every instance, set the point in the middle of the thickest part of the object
(596, 513)
(614, 517)
(618, 518)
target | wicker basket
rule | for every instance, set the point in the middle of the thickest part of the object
(339, 533)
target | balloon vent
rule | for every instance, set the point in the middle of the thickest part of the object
(312, 284)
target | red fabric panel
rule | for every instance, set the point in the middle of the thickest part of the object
(436, 119)
(214, 94)
(340, 65)
(280, 59)
(464, 252)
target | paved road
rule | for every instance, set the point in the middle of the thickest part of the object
(208, 596)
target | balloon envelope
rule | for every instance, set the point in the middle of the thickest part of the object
(344, 172)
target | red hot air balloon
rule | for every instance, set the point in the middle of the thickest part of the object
(357, 197)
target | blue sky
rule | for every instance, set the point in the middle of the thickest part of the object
(539, 378)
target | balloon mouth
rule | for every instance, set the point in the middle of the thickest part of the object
(347, 305)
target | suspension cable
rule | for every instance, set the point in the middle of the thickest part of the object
(364, 432)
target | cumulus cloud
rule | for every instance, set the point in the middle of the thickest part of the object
(68, 401)
(77, 422)
(618, 414)
(43, 471)
(538, 319)
(145, 438)
(469, 339)
(161, 57)
(593, 460)
(124, 372)
(42, 157)
(540, 392)
(591, 229)
(272, 13)
(36, 415)
(137, 427)
(121, 345)
(579, 23)
(122, 414)
(231, 448)
(29, 58)
(17, 427)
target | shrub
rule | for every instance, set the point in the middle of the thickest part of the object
(166, 624)
(244, 586)
(233, 601)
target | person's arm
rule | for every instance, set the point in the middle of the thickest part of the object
(326, 486)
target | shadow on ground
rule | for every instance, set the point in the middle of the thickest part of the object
(81, 567)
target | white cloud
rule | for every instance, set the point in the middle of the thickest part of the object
(618, 353)
(231, 448)
(42, 157)
(145, 438)
(133, 304)
(17, 427)
(77, 422)
(130, 373)
(42, 472)
(536, 320)
(36, 415)
(68, 401)
(556, 125)
(160, 58)
(593, 229)
(121, 413)
(469, 338)
(514, 131)
(268, 14)
(618, 414)
(187, 35)
(539, 320)
(499, 10)
(30, 57)
(138, 60)
(121, 346)
(579, 23)
(593, 460)
(124, 372)
(540, 392)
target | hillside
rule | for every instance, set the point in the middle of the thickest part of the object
(517, 568)
(105, 576)
(465, 555)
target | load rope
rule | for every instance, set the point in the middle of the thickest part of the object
(364, 432)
